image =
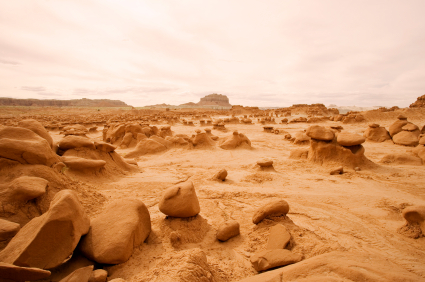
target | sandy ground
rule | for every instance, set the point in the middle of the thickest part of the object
(355, 211)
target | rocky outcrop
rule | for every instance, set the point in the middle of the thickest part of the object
(215, 100)
(420, 102)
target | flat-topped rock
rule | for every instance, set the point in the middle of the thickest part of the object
(73, 141)
(265, 163)
(350, 139)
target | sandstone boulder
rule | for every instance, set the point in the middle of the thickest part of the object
(25, 146)
(23, 189)
(320, 133)
(273, 258)
(279, 237)
(350, 139)
(406, 138)
(80, 275)
(301, 138)
(397, 126)
(234, 141)
(265, 163)
(72, 141)
(48, 240)
(99, 275)
(8, 229)
(273, 208)
(37, 128)
(377, 134)
(221, 175)
(10, 272)
(228, 230)
(147, 146)
(180, 201)
(105, 147)
(123, 225)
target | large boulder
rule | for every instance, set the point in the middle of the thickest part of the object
(113, 235)
(23, 189)
(406, 138)
(180, 201)
(37, 128)
(25, 146)
(397, 126)
(48, 241)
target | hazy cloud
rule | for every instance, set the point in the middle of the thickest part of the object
(258, 54)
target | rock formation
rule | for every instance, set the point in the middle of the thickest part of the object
(420, 102)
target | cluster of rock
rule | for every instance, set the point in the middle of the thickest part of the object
(419, 103)
(350, 117)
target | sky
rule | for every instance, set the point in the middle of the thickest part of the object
(271, 53)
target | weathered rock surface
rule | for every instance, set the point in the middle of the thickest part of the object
(124, 225)
(377, 134)
(180, 201)
(79, 275)
(401, 159)
(82, 164)
(234, 141)
(273, 208)
(221, 175)
(99, 275)
(73, 141)
(415, 215)
(349, 139)
(8, 229)
(10, 272)
(146, 146)
(37, 128)
(227, 230)
(273, 258)
(48, 240)
(406, 138)
(23, 189)
(320, 133)
(279, 237)
(26, 147)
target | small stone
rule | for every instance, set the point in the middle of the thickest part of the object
(339, 170)
(273, 208)
(373, 125)
(221, 175)
(98, 275)
(265, 163)
(279, 237)
(228, 230)
(273, 258)
(357, 168)
(402, 117)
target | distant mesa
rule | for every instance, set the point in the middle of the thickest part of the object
(62, 103)
(212, 101)
(420, 102)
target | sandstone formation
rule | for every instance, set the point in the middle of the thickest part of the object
(221, 175)
(124, 225)
(376, 133)
(273, 208)
(236, 140)
(180, 201)
(279, 237)
(419, 103)
(47, 241)
(273, 258)
(10, 272)
(62, 103)
(228, 230)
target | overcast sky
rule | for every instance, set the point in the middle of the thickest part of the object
(258, 53)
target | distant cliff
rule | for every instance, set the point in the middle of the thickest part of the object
(62, 103)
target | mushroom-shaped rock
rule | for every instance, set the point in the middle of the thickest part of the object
(373, 125)
(124, 225)
(8, 229)
(279, 237)
(350, 139)
(77, 163)
(402, 117)
(202, 139)
(24, 188)
(25, 146)
(10, 272)
(377, 134)
(320, 133)
(273, 208)
(105, 147)
(234, 141)
(221, 175)
(37, 128)
(48, 240)
(73, 141)
(227, 230)
(415, 215)
(180, 201)
(273, 258)
(406, 138)
(410, 127)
